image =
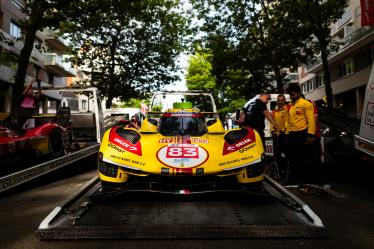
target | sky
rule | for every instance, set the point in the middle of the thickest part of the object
(181, 84)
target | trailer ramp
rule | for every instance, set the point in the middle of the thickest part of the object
(275, 213)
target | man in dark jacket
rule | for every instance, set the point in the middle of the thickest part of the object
(254, 114)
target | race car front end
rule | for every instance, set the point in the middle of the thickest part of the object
(194, 158)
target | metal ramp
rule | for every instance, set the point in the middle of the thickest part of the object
(140, 215)
(10, 181)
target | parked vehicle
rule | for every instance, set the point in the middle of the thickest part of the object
(35, 140)
(364, 141)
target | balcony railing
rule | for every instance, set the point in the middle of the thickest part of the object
(54, 63)
(357, 35)
(347, 16)
(347, 41)
(53, 59)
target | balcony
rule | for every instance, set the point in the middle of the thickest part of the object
(359, 37)
(53, 63)
(55, 41)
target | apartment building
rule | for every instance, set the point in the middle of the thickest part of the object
(46, 60)
(349, 66)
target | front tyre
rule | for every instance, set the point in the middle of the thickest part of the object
(56, 143)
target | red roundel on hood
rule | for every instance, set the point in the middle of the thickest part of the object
(122, 138)
(241, 142)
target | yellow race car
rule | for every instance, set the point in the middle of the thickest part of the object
(181, 147)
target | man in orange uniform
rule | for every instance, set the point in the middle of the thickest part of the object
(301, 130)
(281, 117)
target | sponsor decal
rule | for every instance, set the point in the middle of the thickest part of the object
(249, 139)
(183, 115)
(236, 161)
(126, 145)
(128, 161)
(182, 155)
(199, 140)
(247, 148)
(165, 140)
(115, 147)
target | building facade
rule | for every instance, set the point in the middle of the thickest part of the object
(46, 60)
(349, 66)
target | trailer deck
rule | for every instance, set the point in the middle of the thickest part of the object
(90, 214)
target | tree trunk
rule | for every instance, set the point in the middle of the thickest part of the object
(108, 102)
(23, 60)
(278, 79)
(326, 70)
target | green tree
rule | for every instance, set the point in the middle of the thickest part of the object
(128, 47)
(260, 36)
(199, 73)
(200, 77)
(316, 17)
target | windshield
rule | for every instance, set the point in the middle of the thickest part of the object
(174, 124)
(163, 102)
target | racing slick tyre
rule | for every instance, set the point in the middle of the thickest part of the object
(56, 143)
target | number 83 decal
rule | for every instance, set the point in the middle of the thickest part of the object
(182, 152)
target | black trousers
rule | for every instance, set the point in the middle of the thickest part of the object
(279, 142)
(299, 156)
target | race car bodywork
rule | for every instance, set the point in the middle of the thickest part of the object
(48, 138)
(181, 148)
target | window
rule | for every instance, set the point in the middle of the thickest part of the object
(84, 104)
(304, 87)
(346, 68)
(15, 30)
(320, 80)
(310, 85)
(50, 79)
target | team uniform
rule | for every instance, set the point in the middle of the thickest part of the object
(301, 125)
(281, 118)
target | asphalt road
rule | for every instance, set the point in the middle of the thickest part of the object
(349, 219)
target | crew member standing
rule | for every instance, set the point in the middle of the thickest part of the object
(301, 134)
(281, 117)
(254, 114)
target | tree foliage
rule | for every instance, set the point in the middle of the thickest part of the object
(127, 47)
(199, 73)
(316, 17)
(260, 38)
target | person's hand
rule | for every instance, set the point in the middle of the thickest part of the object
(310, 139)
